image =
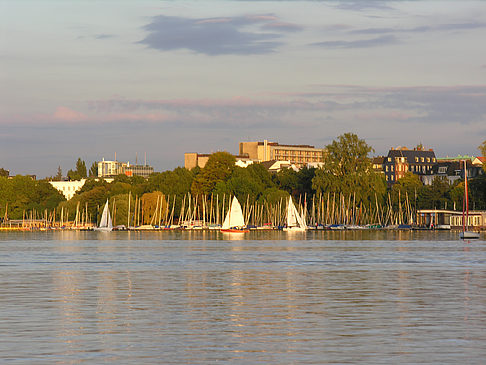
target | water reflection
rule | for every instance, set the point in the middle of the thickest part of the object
(157, 297)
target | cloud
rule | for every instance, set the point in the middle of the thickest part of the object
(65, 114)
(421, 29)
(449, 118)
(103, 36)
(283, 26)
(361, 43)
(363, 5)
(243, 35)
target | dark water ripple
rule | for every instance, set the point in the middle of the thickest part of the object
(199, 298)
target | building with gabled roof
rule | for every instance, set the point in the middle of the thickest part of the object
(401, 160)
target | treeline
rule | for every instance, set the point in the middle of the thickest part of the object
(22, 194)
(347, 176)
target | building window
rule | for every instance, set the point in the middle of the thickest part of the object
(416, 159)
(428, 159)
(422, 159)
(389, 159)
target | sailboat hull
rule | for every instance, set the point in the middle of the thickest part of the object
(234, 230)
(294, 229)
(468, 235)
(103, 229)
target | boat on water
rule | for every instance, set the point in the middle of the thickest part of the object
(234, 221)
(106, 225)
(295, 222)
(466, 234)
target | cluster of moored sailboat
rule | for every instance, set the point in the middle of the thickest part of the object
(234, 222)
(334, 212)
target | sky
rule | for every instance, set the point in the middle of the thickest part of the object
(91, 79)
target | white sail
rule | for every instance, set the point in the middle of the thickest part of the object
(234, 217)
(106, 223)
(294, 220)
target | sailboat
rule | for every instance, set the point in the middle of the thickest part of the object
(234, 221)
(295, 223)
(465, 234)
(105, 224)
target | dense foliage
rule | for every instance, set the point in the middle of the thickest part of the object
(346, 176)
(22, 194)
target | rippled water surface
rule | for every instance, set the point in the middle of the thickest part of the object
(266, 297)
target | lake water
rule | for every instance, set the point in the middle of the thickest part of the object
(269, 298)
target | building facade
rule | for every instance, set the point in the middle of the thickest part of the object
(111, 168)
(68, 188)
(194, 159)
(108, 169)
(138, 170)
(402, 160)
(298, 155)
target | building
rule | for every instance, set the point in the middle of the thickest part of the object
(107, 169)
(453, 168)
(377, 164)
(274, 166)
(298, 155)
(138, 170)
(476, 220)
(450, 219)
(479, 161)
(193, 159)
(111, 168)
(402, 160)
(68, 188)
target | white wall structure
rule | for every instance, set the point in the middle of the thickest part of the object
(68, 188)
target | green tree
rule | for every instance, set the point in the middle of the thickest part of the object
(93, 170)
(409, 186)
(58, 176)
(348, 170)
(482, 149)
(4, 172)
(79, 173)
(219, 167)
(435, 196)
(287, 180)
(477, 193)
(22, 194)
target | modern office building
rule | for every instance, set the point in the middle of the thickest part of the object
(298, 155)
(111, 168)
(138, 170)
(108, 169)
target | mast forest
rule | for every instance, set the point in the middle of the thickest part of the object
(345, 191)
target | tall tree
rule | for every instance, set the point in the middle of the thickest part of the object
(58, 176)
(482, 148)
(80, 172)
(4, 172)
(219, 167)
(93, 170)
(348, 170)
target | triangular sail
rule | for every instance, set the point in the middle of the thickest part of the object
(234, 217)
(293, 217)
(106, 218)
